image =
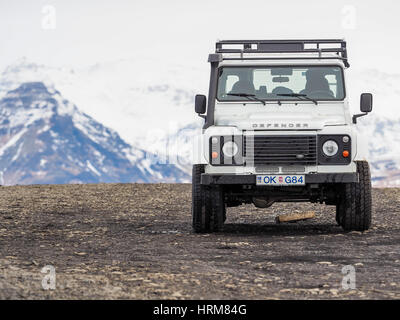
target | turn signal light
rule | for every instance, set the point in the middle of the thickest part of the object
(214, 155)
(345, 153)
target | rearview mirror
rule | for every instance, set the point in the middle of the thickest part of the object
(200, 103)
(280, 79)
(366, 102)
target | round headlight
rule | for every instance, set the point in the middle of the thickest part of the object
(230, 149)
(330, 148)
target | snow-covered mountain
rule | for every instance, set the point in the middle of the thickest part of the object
(140, 98)
(381, 128)
(149, 102)
(44, 138)
(383, 135)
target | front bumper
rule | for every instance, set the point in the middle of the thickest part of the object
(211, 179)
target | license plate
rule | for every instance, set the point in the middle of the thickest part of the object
(280, 180)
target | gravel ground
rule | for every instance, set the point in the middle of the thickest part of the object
(134, 241)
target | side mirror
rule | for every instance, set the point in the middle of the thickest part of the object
(365, 106)
(200, 104)
(366, 102)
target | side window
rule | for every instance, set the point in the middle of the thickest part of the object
(230, 81)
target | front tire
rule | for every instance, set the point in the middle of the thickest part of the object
(215, 208)
(208, 206)
(354, 210)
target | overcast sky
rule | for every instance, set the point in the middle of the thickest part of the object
(78, 33)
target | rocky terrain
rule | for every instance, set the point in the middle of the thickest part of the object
(134, 241)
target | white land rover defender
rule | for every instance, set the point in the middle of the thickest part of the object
(278, 128)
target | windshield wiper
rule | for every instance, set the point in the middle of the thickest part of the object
(248, 96)
(298, 95)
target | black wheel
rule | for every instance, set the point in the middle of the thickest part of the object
(208, 206)
(354, 210)
(338, 212)
(215, 208)
(198, 207)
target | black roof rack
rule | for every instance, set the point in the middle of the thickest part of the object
(319, 46)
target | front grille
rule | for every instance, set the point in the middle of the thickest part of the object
(269, 169)
(284, 150)
(293, 169)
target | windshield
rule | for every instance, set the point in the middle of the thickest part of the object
(280, 83)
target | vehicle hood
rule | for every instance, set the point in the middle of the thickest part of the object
(275, 117)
